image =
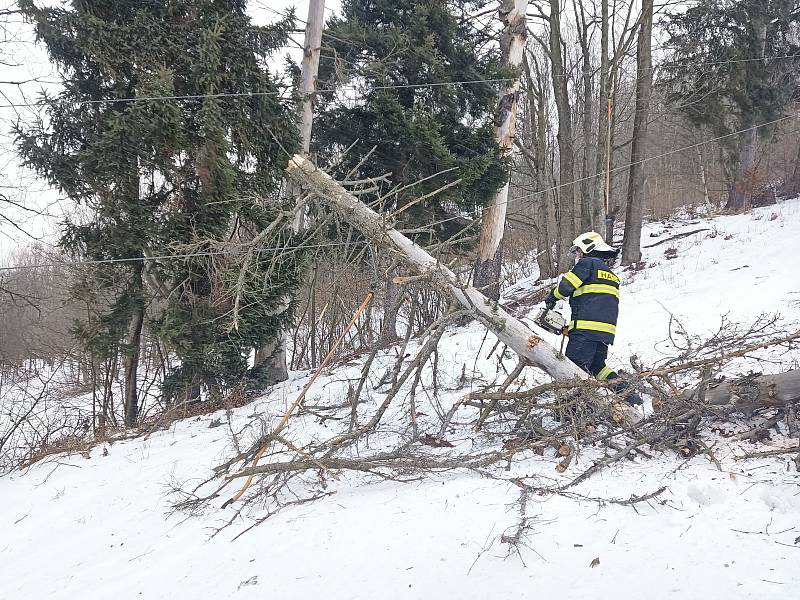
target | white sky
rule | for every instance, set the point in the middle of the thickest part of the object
(24, 72)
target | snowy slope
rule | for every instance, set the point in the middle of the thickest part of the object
(100, 527)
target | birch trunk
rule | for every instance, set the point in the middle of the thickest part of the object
(310, 68)
(508, 329)
(271, 358)
(512, 46)
(750, 394)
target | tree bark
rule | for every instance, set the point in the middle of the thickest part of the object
(133, 353)
(588, 203)
(631, 245)
(310, 68)
(742, 189)
(566, 152)
(535, 142)
(750, 393)
(603, 124)
(508, 329)
(512, 46)
(272, 357)
(391, 300)
(703, 180)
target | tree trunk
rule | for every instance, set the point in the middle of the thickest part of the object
(631, 245)
(508, 329)
(512, 46)
(751, 393)
(603, 124)
(588, 204)
(566, 152)
(535, 143)
(742, 190)
(308, 84)
(701, 164)
(310, 68)
(271, 358)
(132, 365)
(391, 305)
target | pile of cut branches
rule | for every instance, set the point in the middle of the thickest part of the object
(404, 419)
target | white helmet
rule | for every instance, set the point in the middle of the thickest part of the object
(589, 241)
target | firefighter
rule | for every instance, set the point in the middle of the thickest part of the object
(593, 292)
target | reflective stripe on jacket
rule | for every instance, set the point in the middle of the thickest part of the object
(593, 292)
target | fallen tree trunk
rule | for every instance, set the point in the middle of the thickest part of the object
(508, 329)
(749, 393)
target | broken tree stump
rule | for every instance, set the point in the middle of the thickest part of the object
(749, 393)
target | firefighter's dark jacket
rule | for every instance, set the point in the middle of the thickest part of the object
(593, 292)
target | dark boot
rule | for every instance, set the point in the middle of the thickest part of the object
(634, 399)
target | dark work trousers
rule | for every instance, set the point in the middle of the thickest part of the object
(590, 356)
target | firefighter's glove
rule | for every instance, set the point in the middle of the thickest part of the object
(550, 302)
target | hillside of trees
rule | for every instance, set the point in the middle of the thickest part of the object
(192, 269)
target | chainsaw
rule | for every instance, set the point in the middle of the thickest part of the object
(551, 320)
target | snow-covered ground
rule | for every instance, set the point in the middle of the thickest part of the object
(100, 526)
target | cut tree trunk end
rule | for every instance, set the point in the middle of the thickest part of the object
(748, 394)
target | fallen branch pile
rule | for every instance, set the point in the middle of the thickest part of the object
(558, 419)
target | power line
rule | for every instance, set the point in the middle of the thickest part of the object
(330, 90)
(434, 223)
(628, 165)
(82, 263)
(247, 94)
(666, 65)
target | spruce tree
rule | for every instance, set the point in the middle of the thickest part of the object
(171, 132)
(729, 71)
(400, 54)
